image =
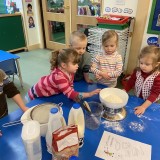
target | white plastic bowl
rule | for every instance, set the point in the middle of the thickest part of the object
(113, 91)
(43, 127)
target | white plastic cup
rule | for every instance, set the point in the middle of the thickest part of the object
(31, 139)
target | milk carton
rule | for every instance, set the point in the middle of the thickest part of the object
(76, 116)
(56, 120)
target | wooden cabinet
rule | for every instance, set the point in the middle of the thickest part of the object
(12, 35)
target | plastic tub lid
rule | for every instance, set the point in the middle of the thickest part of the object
(30, 130)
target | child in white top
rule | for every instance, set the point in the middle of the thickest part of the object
(107, 65)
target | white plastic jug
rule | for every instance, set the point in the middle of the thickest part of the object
(76, 116)
(31, 139)
(56, 120)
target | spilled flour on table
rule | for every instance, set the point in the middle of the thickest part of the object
(116, 126)
(136, 126)
(150, 118)
(145, 117)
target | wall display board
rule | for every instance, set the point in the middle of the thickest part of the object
(3, 9)
(154, 20)
(120, 7)
(11, 32)
(10, 6)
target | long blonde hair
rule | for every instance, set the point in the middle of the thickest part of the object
(64, 56)
(152, 52)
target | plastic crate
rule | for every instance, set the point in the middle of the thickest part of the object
(123, 19)
(113, 26)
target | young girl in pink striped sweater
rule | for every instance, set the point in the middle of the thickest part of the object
(64, 64)
(107, 65)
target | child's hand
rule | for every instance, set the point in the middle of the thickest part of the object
(25, 109)
(90, 94)
(139, 110)
(98, 77)
(105, 75)
(89, 81)
(94, 92)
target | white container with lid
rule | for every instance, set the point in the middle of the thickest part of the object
(56, 120)
(76, 116)
(31, 139)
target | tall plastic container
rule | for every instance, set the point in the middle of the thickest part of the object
(31, 139)
(56, 120)
(76, 116)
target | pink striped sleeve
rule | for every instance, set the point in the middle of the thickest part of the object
(66, 88)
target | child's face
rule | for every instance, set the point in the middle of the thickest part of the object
(110, 46)
(70, 67)
(146, 64)
(30, 8)
(80, 46)
(31, 21)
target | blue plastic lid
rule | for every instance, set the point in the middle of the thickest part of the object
(73, 158)
(54, 110)
(76, 105)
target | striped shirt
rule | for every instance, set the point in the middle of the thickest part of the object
(110, 63)
(55, 83)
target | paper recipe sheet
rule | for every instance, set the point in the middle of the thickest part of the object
(115, 147)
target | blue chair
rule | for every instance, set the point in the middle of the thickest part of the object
(9, 67)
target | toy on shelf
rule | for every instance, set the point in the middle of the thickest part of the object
(112, 19)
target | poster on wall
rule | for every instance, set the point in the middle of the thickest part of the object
(120, 7)
(13, 6)
(154, 20)
(29, 9)
(30, 14)
(31, 22)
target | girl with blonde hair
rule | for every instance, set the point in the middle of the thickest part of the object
(146, 78)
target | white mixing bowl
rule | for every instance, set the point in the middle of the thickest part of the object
(113, 91)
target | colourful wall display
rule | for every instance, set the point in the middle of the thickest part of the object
(154, 20)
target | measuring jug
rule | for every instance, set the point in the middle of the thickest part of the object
(93, 118)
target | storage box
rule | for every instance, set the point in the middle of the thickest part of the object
(122, 19)
(113, 26)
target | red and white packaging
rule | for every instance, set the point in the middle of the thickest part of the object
(65, 142)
